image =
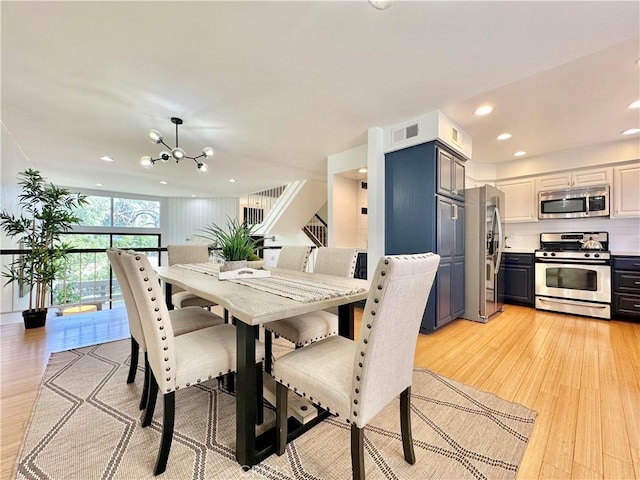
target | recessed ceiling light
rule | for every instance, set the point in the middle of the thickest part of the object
(635, 104)
(163, 182)
(631, 131)
(519, 153)
(106, 158)
(484, 110)
(232, 180)
(363, 170)
(504, 136)
(99, 185)
(194, 195)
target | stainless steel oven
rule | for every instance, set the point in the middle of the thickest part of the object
(570, 278)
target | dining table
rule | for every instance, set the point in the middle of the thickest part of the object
(251, 303)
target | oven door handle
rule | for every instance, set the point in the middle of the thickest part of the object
(572, 262)
(546, 300)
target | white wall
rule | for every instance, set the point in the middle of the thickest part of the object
(182, 218)
(342, 162)
(344, 227)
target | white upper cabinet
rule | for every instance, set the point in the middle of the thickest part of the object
(626, 191)
(580, 178)
(520, 200)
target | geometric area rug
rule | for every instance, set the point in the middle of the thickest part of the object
(86, 425)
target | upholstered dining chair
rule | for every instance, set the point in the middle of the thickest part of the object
(184, 320)
(194, 253)
(355, 380)
(293, 257)
(310, 327)
(177, 362)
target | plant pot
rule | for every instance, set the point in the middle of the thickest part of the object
(34, 318)
(233, 265)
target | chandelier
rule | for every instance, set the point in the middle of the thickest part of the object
(176, 152)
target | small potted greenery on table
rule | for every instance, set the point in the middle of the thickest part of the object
(235, 244)
(47, 212)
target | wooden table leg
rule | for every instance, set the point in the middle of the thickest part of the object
(246, 393)
(346, 322)
(167, 295)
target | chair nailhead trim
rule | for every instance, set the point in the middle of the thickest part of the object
(168, 369)
(355, 402)
(362, 354)
(379, 287)
(383, 273)
(153, 299)
(166, 359)
(164, 338)
(386, 262)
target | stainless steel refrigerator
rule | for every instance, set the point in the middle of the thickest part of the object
(484, 244)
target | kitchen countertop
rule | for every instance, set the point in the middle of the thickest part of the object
(620, 253)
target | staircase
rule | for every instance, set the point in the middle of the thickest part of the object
(286, 210)
(316, 230)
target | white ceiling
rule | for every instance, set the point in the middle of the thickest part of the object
(276, 87)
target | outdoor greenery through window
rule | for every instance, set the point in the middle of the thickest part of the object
(86, 277)
(120, 212)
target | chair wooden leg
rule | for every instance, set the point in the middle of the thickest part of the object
(151, 401)
(268, 348)
(167, 432)
(133, 367)
(405, 426)
(282, 397)
(357, 452)
(259, 396)
(145, 387)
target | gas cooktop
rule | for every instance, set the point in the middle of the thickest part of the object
(574, 245)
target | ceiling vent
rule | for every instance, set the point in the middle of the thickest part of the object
(405, 133)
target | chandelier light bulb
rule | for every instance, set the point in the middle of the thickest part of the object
(207, 152)
(178, 153)
(202, 167)
(146, 161)
(381, 4)
(155, 136)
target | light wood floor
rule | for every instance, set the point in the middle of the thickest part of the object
(581, 375)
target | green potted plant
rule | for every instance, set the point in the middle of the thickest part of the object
(47, 212)
(234, 243)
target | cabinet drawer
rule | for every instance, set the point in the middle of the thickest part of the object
(626, 305)
(626, 263)
(518, 258)
(626, 282)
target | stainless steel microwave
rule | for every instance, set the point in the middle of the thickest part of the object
(580, 202)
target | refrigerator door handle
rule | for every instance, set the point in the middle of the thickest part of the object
(454, 212)
(499, 241)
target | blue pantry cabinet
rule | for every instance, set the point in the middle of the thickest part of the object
(424, 212)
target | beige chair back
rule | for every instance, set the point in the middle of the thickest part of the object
(135, 327)
(294, 257)
(154, 317)
(383, 366)
(336, 261)
(193, 253)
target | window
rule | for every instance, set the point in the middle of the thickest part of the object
(120, 212)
